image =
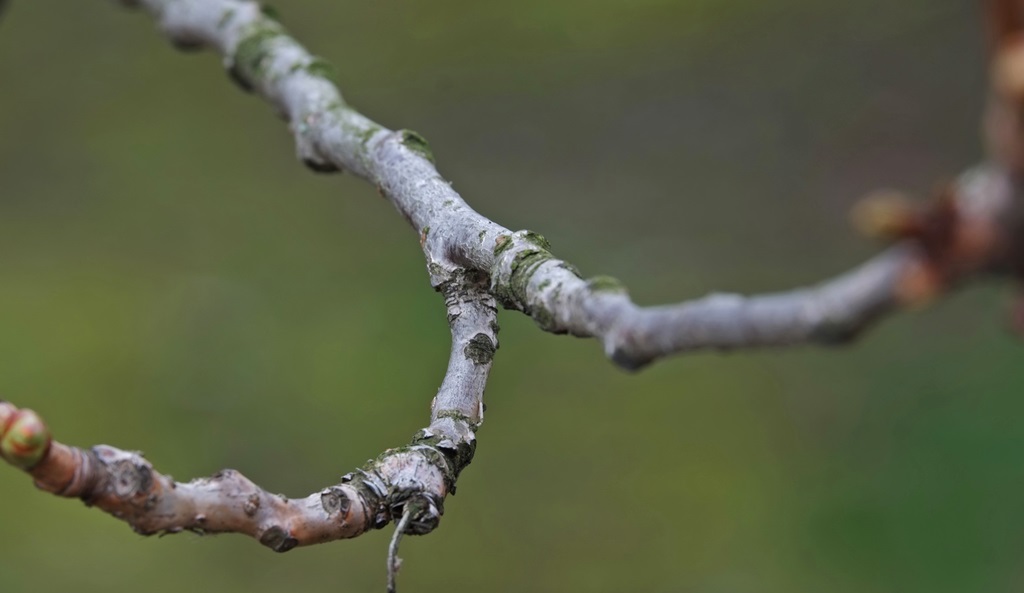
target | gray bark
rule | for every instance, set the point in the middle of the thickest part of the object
(476, 264)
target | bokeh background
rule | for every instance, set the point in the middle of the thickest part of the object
(172, 280)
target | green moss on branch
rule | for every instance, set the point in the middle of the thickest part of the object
(248, 61)
(417, 143)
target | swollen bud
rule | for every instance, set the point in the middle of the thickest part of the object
(884, 215)
(24, 438)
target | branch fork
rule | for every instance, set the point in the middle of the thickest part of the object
(973, 228)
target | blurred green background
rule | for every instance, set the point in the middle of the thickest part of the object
(172, 280)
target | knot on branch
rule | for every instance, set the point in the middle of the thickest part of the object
(130, 476)
(424, 510)
(414, 479)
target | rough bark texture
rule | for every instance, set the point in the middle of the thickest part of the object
(971, 228)
(411, 480)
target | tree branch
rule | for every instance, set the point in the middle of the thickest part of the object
(475, 263)
(411, 480)
(524, 275)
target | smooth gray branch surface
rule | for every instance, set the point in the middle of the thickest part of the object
(523, 274)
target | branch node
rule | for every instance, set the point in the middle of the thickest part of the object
(335, 501)
(278, 539)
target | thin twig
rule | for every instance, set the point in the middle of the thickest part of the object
(394, 562)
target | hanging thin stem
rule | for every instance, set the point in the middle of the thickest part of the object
(394, 562)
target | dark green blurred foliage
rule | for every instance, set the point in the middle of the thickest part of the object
(171, 279)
